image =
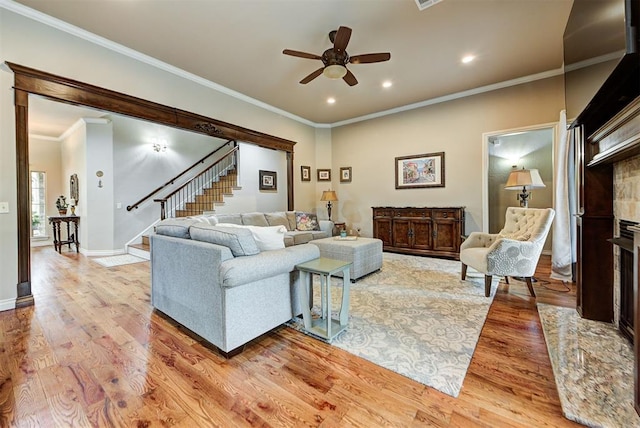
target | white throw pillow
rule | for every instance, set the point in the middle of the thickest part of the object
(266, 237)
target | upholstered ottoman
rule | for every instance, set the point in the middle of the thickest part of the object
(365, 254)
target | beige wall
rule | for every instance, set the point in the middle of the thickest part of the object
(455, 127)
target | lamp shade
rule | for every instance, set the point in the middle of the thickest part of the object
(527, 178)
(329, 196)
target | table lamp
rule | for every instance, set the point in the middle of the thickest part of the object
(329, 196)
(524, 179)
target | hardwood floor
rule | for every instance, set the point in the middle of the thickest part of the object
(92, 352)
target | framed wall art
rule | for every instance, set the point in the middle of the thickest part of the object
(324, 175)
(268, 180)
(418, 171)
(345, 174)
(305, 173)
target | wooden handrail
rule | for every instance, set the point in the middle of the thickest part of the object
(137, 204)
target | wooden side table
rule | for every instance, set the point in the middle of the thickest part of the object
(325, 327)
(72, 237)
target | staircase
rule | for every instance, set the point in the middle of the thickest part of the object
(212, 195)
(197, 196)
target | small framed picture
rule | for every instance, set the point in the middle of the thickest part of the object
(324, 175)
(268, 180)
(305, 173)
(345, 174)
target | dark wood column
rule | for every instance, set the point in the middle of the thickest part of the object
(290, 181)
(25, 298)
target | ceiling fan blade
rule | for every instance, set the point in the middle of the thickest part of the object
(301, 54)
(342, 39)
(369, 58)
(312, 76)
(350, 79)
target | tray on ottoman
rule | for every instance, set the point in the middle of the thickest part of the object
(365, 254)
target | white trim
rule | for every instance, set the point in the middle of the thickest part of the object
(450, 97)
(139, 253)
(108, 44)
(7, 304)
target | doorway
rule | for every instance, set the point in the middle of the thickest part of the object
(508, 150)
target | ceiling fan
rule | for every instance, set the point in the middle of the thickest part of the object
(336, 58)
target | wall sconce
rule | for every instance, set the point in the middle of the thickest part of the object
(159, 145)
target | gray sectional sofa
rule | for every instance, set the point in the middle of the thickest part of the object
(222, 281)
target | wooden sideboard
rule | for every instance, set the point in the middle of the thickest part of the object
(420, 231)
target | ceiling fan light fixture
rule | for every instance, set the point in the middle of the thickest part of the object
(335, 71)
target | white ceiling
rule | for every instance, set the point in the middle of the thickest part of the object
(238, 44)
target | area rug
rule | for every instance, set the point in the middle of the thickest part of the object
(414, 317)
(593, 367)
(124, 259)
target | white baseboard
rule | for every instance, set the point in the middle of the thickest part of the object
(7, 304)
(101, 253)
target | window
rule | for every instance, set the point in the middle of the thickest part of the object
(38, 204)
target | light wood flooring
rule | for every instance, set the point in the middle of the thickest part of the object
(92, 352)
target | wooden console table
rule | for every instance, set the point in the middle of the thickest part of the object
(72, 237)
(427, 231)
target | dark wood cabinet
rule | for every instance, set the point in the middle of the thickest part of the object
(420, 231)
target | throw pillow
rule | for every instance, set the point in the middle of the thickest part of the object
(239, 240)
(254, 219)
(266, 237)
(306, 222)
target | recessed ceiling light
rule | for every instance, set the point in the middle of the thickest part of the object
(331, 100)
(467, 59)
(387, 84)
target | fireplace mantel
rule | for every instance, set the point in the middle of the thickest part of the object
(619, 138)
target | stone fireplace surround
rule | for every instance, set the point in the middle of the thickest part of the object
(626, 206)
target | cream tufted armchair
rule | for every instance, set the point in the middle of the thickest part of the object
(514, 251)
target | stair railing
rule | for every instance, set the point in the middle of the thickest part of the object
(198, 194)
(172, 181)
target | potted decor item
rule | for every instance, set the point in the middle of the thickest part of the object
(62, 205)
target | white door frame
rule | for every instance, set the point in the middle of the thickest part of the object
(485, 162)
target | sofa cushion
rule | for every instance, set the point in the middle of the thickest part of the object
(299, 237)
(291, 216)
(253, 219)
(241, 270)
(239, 240)
(306, 222)
(178, 228)
(229, 218)
(267, 237)
(278, 219)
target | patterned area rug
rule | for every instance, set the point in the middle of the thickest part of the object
(414, 317)
(593, 367)
(124, 259)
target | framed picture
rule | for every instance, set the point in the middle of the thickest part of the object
(418, 171)
(324, 175)
(345, 174)
(268, 180)
(305, 173)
